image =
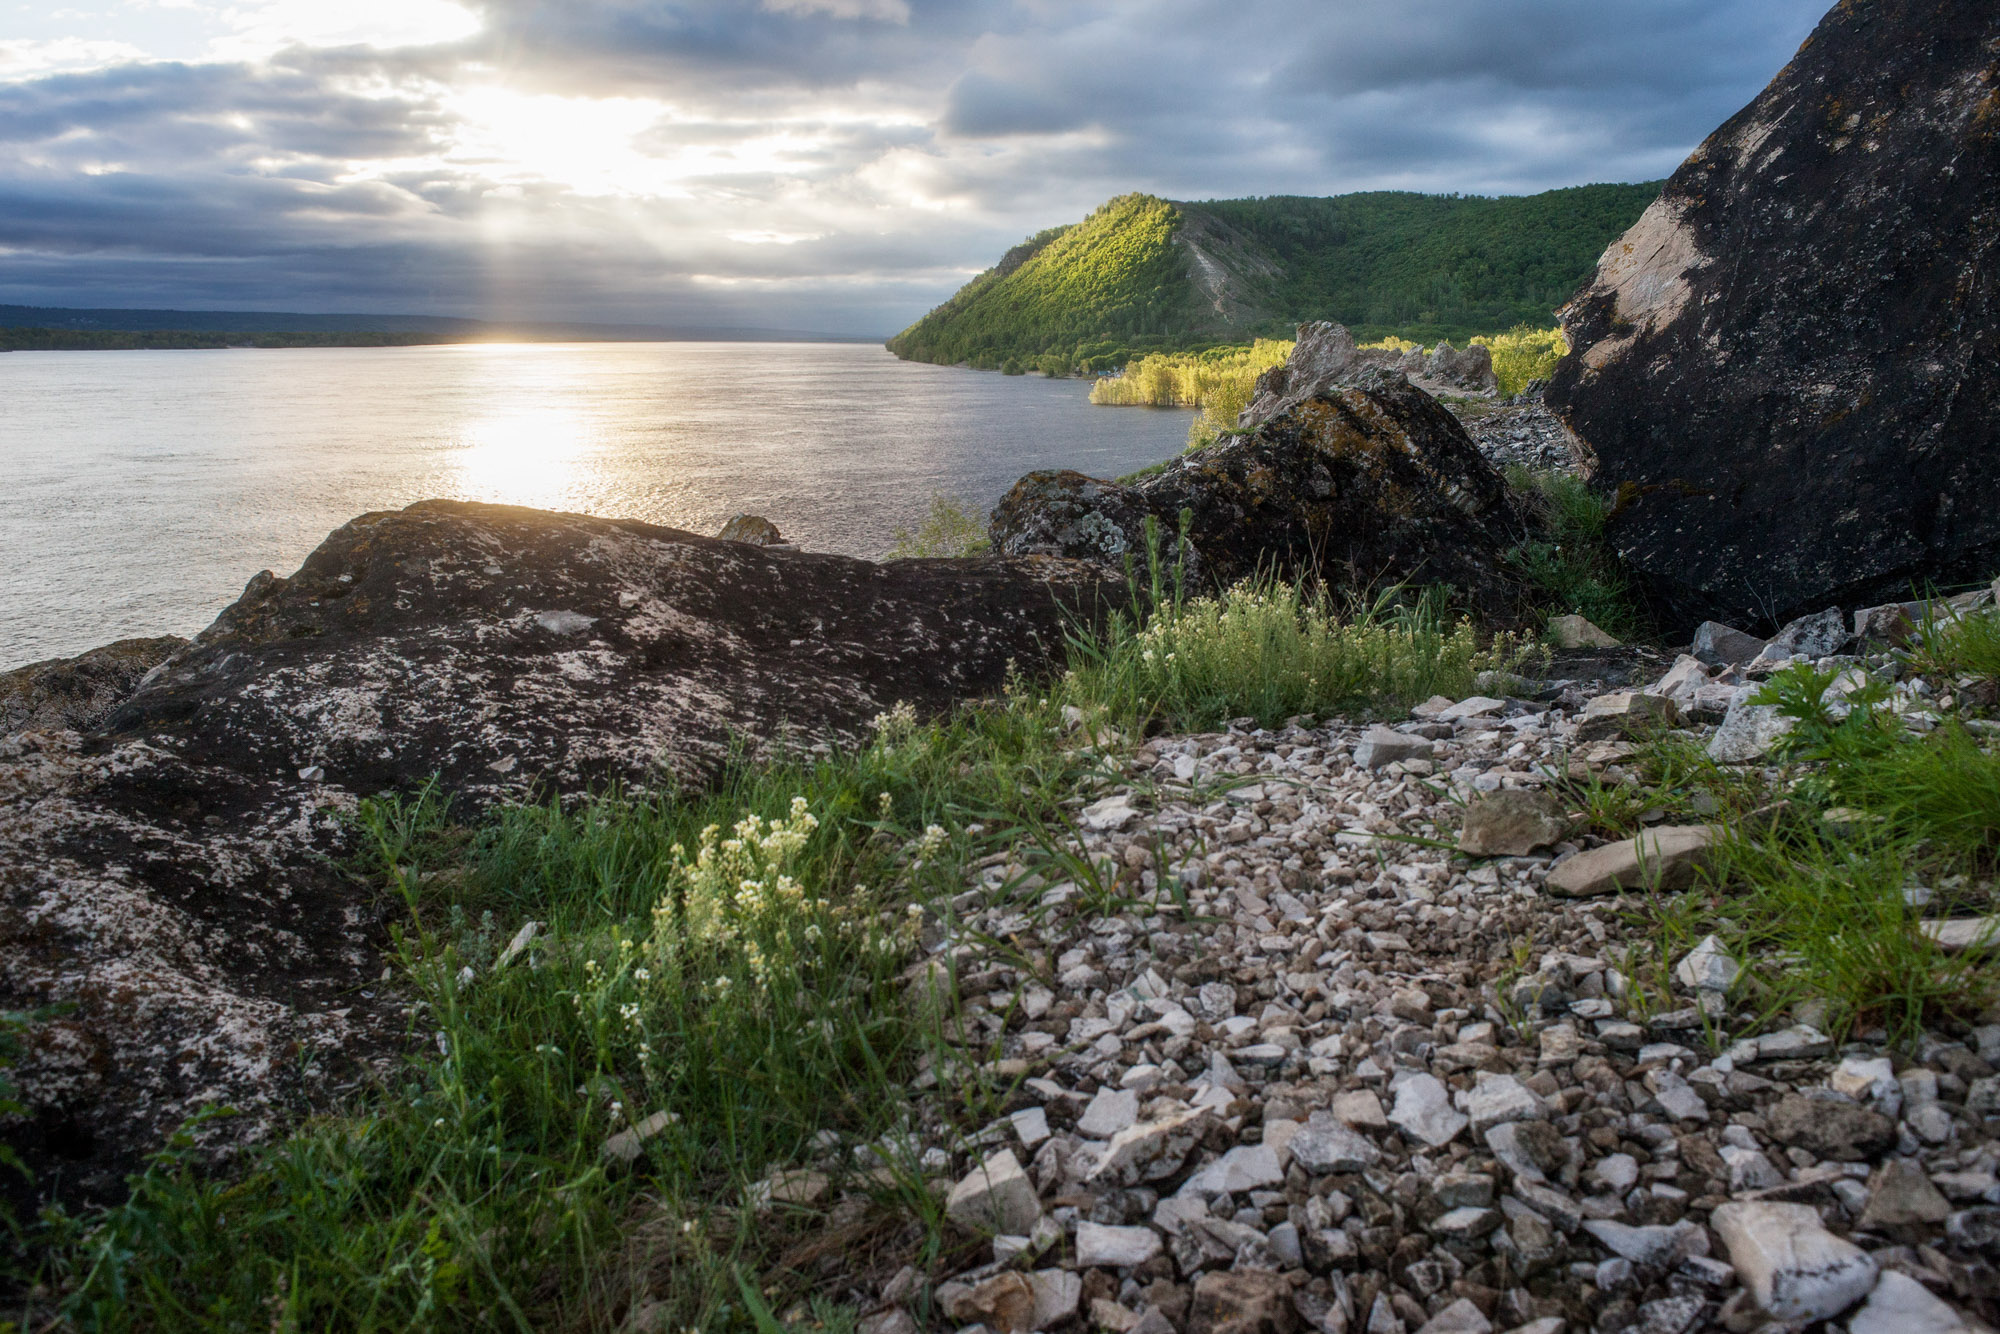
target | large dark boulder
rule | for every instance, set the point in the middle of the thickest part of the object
(174, 881)
(1360, 483)
(1790, 366)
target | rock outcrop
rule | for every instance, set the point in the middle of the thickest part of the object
(1324, 356)
(174, 881)
(77, 692)
(1790, 366)
(1361, 482)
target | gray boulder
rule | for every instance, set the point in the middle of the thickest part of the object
(1808, 638)
(1470, 368)
(1721, 645)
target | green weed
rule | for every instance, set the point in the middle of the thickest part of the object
(1840, 904)
(1960, 644)
(722, 970)
(950, 528)
(1836, 913)
(1569, 568)
(722, 977)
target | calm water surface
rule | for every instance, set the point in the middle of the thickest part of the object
(139, 490)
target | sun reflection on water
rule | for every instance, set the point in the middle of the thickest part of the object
(538, 457)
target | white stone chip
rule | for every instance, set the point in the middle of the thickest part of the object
(1794, 1268)
(996, 1196)
(1114, 1247)
(1708, 967)
(1111, 1111)
(1423, 1110)
(1901, 1305)
(1499, 1099)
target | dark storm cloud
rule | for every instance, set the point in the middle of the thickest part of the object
(840, 164)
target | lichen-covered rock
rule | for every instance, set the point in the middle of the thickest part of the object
(754, 529)
(500, 648)
(1361, 484)
(172, 880)
(1787, 366)
(1323, 356)
(77, 692)
(1063, 512)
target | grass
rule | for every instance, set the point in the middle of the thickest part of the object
(1824, 910)
(1569, 568)
(730, 959)
(730, 969)
(1268, 649)
(951, 527)
(1960, 644)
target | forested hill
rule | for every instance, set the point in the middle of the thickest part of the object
(1143, 274)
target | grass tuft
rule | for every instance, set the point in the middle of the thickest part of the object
(1841, 903)
(1962, 644)
(1267, 649)
(1570, 568)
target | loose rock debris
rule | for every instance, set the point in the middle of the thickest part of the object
(1311, 1069)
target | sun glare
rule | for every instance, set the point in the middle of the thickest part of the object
(532, 458)
(585, 143)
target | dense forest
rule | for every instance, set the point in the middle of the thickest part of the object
(1143, 274)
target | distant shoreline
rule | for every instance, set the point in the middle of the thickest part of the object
(39, 339)
(96, 329)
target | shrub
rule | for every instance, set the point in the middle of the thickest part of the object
(1192, 379)
(1524, 353)
(951, 528)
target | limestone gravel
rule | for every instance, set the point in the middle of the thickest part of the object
(1349, 1079)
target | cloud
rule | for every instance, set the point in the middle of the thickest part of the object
(885, 11)
(831, 164)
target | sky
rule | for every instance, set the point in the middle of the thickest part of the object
(829, 165)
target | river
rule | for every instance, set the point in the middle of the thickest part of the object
(140, 490)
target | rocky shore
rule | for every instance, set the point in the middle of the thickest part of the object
(1373, 1043)
(1508, 1011)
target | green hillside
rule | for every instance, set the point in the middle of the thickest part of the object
(1143, 274)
